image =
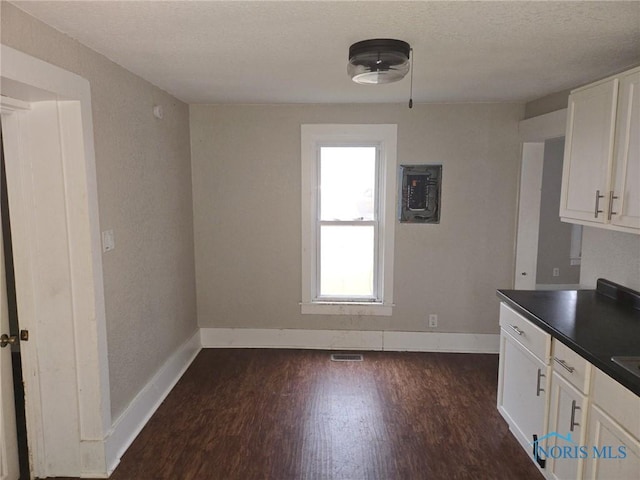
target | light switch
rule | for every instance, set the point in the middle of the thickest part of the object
(108, 241)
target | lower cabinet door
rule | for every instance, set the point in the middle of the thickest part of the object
(522, 387)
(613, 453)
(564, 448)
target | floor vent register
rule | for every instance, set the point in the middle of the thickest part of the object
(346, 357)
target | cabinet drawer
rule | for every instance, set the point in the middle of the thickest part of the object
(570, 366)
(620, 403)
(526, 333)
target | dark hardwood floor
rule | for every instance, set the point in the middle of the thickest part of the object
(294, 414)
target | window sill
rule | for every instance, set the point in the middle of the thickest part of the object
(335, 308)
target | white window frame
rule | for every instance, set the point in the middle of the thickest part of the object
(313, 137)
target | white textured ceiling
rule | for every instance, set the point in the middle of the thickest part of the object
(296, 51)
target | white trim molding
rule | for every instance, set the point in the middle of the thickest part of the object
(350, 340)
(131, 422)
(543, 127)
(329, 308)
(442, 342)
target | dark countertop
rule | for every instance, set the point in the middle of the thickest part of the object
(592, 324)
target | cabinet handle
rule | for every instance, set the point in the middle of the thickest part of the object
(612, 197)
(598, 197)
(573, 423)
(516, 329)
(541, 461)
(564, 365)
(538, 387)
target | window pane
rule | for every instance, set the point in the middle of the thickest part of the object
(346, 260)
(347, 183)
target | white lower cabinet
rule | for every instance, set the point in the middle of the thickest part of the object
(586, 423)
(524, 398)
(567, 417)
(523, 384)
(613, 431)
(615, 454)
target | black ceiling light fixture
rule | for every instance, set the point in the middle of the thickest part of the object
(378, 61)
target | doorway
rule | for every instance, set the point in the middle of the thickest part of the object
(547, 250)
(559, 243)
(14, 329)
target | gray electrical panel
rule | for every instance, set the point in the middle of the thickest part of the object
(420, 193)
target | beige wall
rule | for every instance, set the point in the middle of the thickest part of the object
(611, 255)
(144, 193)
(246, 186)
(547, 104)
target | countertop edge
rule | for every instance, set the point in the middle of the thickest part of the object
(610, 368)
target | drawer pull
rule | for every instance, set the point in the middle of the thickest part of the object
(573, 423)
(538, 387)
(564, 365)
(516, 329)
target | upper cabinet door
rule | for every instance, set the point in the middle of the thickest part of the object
(625, 209)
(588, 152)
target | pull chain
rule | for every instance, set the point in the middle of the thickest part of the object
(411, 84)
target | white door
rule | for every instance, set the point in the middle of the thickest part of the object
(588, 152)
(9, 468)
(625, 196)
(59, 287)
(567, 417)
(605, 435)
(522, 397)
(529, 216)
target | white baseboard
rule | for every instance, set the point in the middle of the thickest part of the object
(442, 342)
(290, 338)
(128, 425)
(350, 340)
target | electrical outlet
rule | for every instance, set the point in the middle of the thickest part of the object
(433, 320)
(556, 272)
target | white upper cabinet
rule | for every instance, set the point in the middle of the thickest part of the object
(588, 151)
(625, 194)
(601, 172)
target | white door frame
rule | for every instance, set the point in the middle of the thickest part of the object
(533, 133)
(51, 183)
(9, 458)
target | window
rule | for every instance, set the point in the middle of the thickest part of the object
(348, 201)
